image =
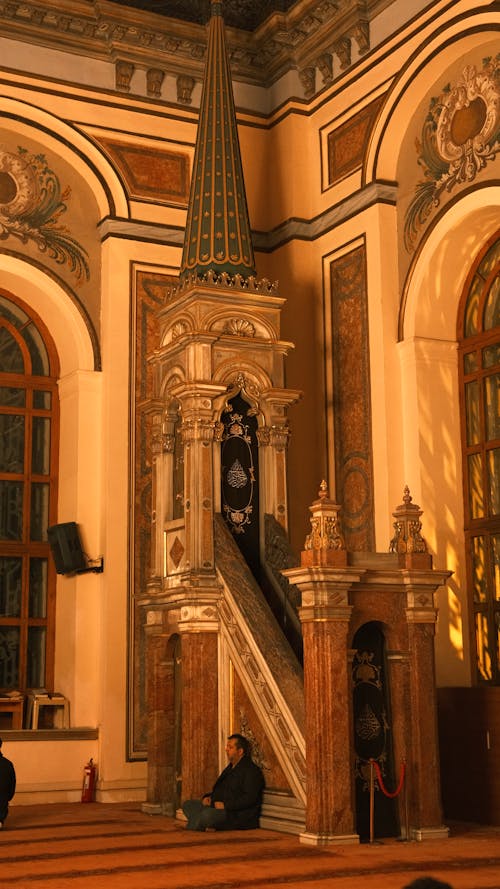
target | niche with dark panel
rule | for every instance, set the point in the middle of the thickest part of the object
(372, 732)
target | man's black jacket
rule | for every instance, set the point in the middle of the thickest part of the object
(7, 779)
(240, 788)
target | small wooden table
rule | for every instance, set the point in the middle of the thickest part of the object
(15, 707)
(38, 700)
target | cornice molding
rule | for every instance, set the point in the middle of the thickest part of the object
(264, 242)
(313, 35)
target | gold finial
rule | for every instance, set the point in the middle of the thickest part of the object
(324, 545)
(323, 490)
(408, 542)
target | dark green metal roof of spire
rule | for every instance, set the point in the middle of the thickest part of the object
(218, 236)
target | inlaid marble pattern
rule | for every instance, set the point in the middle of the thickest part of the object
(151, 173)
(347, 144)
(150, 293)
(351, 382)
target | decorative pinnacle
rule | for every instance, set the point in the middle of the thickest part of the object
(408, 540)
(218, 236)
(324, 545)
(323, 490)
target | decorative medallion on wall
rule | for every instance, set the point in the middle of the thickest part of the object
(31, 204)
(461, 134)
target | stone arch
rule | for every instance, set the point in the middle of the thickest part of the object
(258, 383)
(372, 723)
(430, 426)
(423, 69)
(73, 146)
(439, 269)
(73, 334)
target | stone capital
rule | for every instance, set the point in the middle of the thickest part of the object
(200, 617)
(198, 429)
(325, 578)
(324, 592)
(420, 586)
(314, 613)
(197, 399)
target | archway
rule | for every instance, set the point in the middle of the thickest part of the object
(372, 734)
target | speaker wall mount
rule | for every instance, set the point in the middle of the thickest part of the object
(67, 551)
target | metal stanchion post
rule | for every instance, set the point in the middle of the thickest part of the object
(407, 819)
(372, 800)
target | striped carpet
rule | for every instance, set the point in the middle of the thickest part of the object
(116, 846)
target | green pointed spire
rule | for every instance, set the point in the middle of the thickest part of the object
(218, 236)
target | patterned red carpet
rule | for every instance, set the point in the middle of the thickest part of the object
(116, 846)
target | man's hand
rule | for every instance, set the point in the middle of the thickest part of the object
(219, 804)
(207, 800)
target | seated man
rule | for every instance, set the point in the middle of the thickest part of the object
(7, 785)
(236, 797)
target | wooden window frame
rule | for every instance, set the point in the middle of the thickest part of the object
(26, 548)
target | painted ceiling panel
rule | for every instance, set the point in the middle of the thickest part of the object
(244, 14)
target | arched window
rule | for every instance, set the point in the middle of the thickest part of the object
(29, 432)
(479, 367)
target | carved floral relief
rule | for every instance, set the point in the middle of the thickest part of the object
(460, 136)
(32, 202)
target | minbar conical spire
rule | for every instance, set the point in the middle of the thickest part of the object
(218, 237)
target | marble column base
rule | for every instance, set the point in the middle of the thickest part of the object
(152, 808)
(430, 833)
(325, 839)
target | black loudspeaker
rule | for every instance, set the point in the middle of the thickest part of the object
(66, 548)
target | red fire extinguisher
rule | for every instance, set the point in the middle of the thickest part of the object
(89, 780)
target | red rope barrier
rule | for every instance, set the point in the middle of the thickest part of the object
(381, 781)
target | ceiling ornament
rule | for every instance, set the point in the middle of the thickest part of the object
(461, 134)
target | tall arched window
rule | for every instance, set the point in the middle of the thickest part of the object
(479, 364)
(29, 432)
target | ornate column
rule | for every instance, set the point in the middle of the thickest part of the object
(425, 812)
(159, 490)
(198, 626)
(276, 404)
(198, 427)
(159, 695)
(324, 581)
(197, 596)
(420, 581)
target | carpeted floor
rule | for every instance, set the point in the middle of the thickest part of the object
(116, 846)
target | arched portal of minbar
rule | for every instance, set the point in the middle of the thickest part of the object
(373, 731)
(239, 468)
(270, 405)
